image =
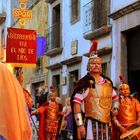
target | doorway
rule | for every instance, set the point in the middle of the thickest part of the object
(133, 58)
(73, 78)
(56, 84)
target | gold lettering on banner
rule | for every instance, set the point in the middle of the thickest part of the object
(23, 43)
(30, 51)
(21, 36)
(22, 50)
(22, 57)
(13, 50)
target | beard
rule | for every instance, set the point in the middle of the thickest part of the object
(95, 70)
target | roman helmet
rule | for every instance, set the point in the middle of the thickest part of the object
(123, 86)
(93, 55)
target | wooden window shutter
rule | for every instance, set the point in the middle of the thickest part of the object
(99, 13)
(103, 12)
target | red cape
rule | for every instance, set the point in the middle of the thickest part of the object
(41, 135)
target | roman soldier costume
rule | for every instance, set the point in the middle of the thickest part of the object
(96, 99)
(49, 116)
(129, 110)
(51, 124)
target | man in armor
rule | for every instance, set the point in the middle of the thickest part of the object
(49, 115)
(128, 114)
(92, 102)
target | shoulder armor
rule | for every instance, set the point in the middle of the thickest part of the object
(109, 82)
(82, 90)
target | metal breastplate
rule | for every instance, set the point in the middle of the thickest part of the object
(127, 113)
(52, 111)
(98, 102)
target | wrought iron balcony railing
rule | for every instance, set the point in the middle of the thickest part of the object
(95, 17)
(54, 37)
(88, 17)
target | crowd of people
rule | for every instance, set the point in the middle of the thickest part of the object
(96, 110)
(16, 115)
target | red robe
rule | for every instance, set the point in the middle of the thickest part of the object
(41, 134)
(42, 111)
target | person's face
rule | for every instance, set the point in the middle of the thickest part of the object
(125, 91)
(52, 97)
(95, 67)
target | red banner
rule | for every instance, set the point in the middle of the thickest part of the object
(21, 47)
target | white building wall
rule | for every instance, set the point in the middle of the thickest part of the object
(71, 32)
(119, 25)
(84, 66)
(6, 7)
(118, 4)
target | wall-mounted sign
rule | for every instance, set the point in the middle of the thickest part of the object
(63, 80)
(74, 46)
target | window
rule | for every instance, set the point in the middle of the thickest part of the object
(2, 45)
(56, 32)
(39, 63)
(75, 10)
(56, 83)
(100, 13)
(95, 15)
(73, 78)
(104, 69)
(2, 39)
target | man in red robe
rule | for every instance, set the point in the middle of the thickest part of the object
(49, 115)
